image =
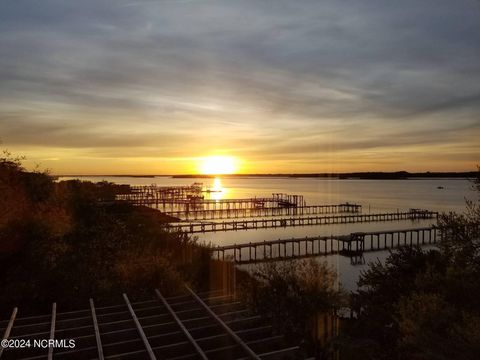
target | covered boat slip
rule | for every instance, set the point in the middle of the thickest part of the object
(209, 325)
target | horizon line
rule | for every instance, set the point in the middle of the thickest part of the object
(320, 174)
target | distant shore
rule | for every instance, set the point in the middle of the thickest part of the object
(399, 175)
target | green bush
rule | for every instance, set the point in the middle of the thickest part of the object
(68, 241)
(291, 294)
(422, 304)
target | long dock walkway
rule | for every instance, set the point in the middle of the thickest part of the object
(349, 245)
(234, 225)
(195, 202)
(164, 192)
(213, 214)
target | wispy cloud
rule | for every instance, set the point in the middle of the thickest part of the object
(269, 79)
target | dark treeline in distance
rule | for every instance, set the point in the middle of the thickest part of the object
(355, 175)
(352, 175)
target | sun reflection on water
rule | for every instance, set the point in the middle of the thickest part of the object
(217, 191)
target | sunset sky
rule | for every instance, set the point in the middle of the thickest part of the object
(152, 87)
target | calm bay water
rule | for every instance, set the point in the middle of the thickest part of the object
(373, 195)
(378, 195)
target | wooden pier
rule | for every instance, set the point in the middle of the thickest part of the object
(265, 212)
(351, 245)
(190, 198)
(142, 193)
(199, 203)
(234, 225)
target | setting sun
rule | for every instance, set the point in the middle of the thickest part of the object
(216, 165)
